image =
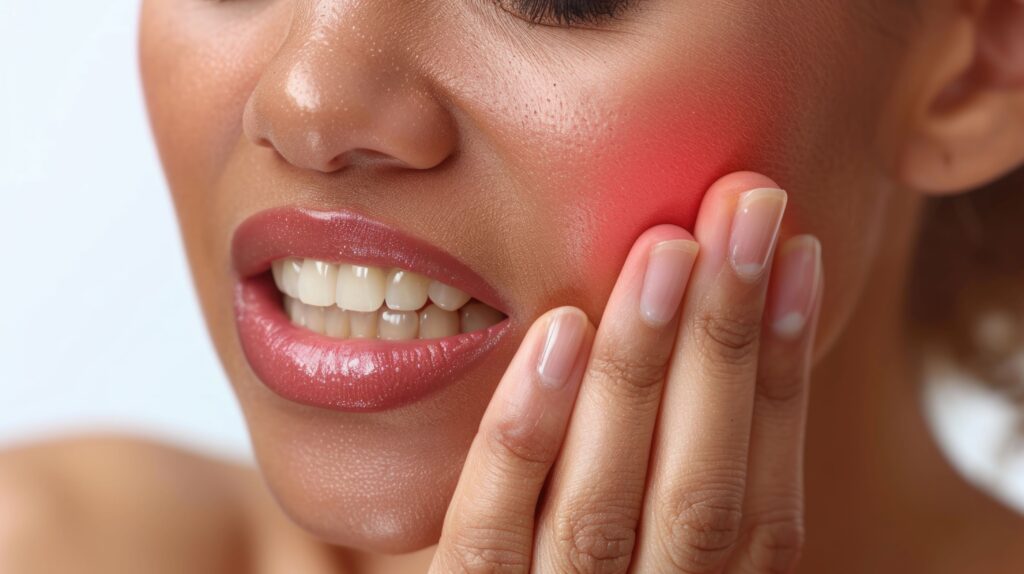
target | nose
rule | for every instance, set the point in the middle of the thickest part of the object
(344, 90)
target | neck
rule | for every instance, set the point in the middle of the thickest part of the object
(880, 494)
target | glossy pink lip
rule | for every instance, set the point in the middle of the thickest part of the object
(347, 375)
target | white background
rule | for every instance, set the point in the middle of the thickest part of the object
(100, 329)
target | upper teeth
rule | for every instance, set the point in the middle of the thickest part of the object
(374, 302)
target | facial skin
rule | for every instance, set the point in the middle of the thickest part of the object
(534, 154)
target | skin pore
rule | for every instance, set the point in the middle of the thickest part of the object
(537, 155)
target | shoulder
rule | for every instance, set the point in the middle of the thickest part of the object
(83, 504)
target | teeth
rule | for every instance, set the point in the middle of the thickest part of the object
(446, 297)
(476, 315)
(293, 307)
(362, 325)
(360, 288)
(290, 270)
(386, 324)
(397, 325)
(317, 283)
(406, 291)
(435, 323)
(315, 317)
(336, 323)
(364, 302)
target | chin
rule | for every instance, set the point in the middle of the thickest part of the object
(379, 480)
(396, 518)
(369, 487)
(360, 428)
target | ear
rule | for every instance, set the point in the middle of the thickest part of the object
(968, 123)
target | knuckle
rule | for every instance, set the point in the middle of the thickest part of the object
(597, 540)
(703, 528)
(775, 546)
(727, 338)
(518, 445)
(781, 392)
(636, 371)
(486, 551)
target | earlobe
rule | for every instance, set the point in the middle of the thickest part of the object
(969, 129)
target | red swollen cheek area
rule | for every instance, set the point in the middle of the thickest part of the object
(655, 165)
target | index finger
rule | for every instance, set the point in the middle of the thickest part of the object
(489, 523)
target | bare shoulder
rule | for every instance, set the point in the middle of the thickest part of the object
(106, 456)
(116, 503)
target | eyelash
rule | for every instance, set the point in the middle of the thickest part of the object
(564, 13)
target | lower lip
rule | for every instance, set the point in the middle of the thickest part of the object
(351, 375)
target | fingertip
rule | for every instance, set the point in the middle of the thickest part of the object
(546, 319)
(538, 335)
(669, 266)
(796, 287)
(819, 304)
(719, 202)
(547, 364)
(719, 206)
(637, 261)
(661, 233)
(740, 181)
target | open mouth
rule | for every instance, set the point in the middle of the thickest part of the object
(365, 302)
(339, 311)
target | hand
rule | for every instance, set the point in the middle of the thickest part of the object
(670, 438)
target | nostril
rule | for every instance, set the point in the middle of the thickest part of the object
(263, 142)
(350, 115)
(365, 157)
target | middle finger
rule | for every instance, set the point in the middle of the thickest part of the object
(596, 488)
(692, 513)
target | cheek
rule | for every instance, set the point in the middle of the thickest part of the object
(196, 80)
(648, 161)
(657, 163)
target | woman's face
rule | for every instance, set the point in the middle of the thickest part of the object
(532, 154)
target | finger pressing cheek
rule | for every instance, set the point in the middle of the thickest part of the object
(595, 492)
(698, 472)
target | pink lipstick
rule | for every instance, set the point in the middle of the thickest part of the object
(354, 375)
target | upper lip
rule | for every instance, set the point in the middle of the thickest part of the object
(349, 237)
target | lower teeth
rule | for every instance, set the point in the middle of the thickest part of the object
(430, 322)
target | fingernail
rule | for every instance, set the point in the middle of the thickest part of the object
(798, 274)
(668, 270)
(561, 347)
(755, 229)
